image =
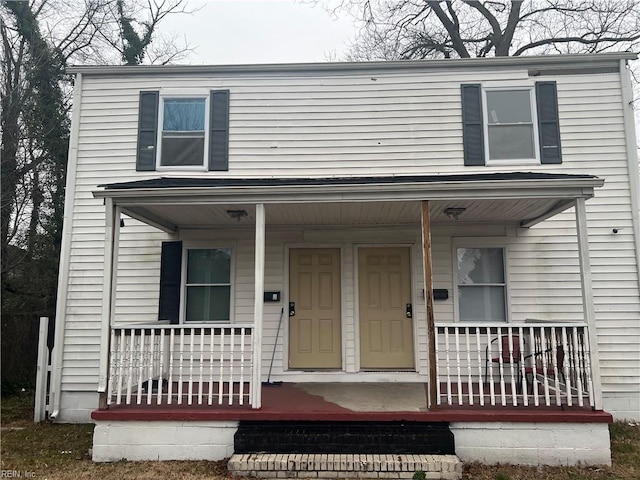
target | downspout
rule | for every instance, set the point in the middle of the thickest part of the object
(632, 158)
(65, 250)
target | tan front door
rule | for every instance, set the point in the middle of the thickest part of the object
(386, 332)
(314, 289)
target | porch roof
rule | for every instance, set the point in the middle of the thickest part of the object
(525, 198)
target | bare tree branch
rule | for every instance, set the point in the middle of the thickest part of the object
(454, 32)
(463, 28)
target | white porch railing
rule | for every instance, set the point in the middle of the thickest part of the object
(528, 364)
(180, 364)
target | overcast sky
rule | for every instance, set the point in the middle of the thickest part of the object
(261, 31)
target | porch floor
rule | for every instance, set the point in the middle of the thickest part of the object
(348, 402)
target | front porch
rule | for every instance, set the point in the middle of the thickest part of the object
(217, 369)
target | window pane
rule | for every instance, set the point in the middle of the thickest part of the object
(509, 106)
(183, 114)
(511, 141)
(482, 304)
(480, 265)
(179, 149)
(209, 265)
(208, 304)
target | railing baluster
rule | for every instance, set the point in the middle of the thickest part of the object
(480, 378)
(577, 365)
(456, 337)
(211, 345)
(523, 373)
(113, 362)
(469, 378)
(489, 366)
(514, 390)
(545, 356)
(232, 342)
(438, 379)
(152, 363)
(201, 365)
(554, 359)
(121, 365)
(567, 354)
(503, 387)
(171, 353)
(249, 351)
(129, 367)
(448, 365)
(221, 379)
(162, 372)
(191, 347)
(535, 345)
(241, 387)
(140, 367)
(180, 365)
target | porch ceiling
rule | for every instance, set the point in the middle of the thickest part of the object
(336, 214)
(182, 203)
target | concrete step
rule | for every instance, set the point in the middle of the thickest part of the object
(344, 466)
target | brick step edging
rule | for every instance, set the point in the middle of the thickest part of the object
(344, 466)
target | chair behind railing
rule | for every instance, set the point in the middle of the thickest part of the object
(524, 364)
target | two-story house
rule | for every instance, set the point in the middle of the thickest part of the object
(436, 244)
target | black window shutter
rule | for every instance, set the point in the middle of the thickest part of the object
(472, 120)
(548, 124)
(219, 130)
(170, 281)
(147, 131)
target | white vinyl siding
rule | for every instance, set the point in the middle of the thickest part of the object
(359, 125)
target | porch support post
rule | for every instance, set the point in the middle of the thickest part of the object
(587, 299)
(428, 295)
(256, 400)
(111, 242)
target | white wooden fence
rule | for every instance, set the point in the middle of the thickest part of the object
(180, 364)
(529, 364)
(43, 372)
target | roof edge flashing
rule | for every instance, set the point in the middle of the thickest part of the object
(584, 60)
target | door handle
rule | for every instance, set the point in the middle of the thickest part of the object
(292, 309)
(409, 310)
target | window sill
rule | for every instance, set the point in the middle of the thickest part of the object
(511, 163)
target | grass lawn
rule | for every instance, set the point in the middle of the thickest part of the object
(61, 451)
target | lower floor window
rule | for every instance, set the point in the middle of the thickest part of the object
(208, 285)
(481, 284)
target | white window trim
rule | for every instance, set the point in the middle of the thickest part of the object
(183, 280)
(197, 168)
(479, 242)
(534, 120)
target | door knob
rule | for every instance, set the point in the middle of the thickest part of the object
(409, 310)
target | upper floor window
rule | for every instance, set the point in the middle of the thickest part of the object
(510, 125)
(183, 132)
(510, 132)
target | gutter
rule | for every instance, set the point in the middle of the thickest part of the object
(560, 61)
(632, 158)
(65, 250)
